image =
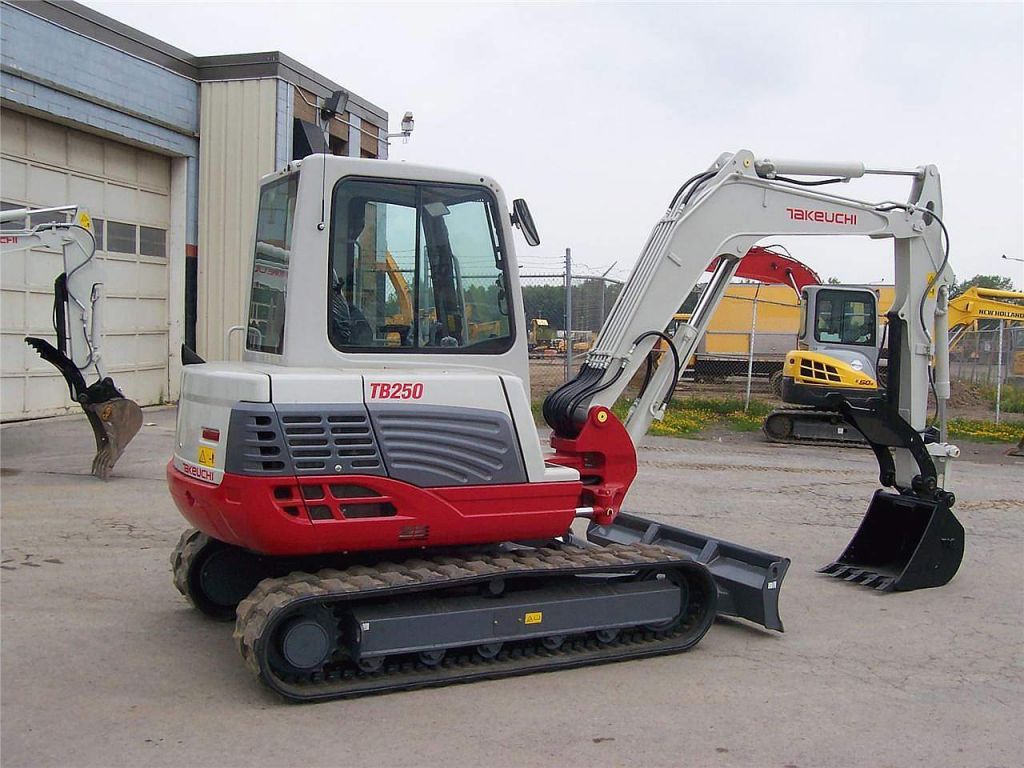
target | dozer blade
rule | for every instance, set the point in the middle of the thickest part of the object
(114, 423)
(903, 543)
(748, 580)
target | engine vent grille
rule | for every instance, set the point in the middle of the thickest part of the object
(335, 442)
(818, 371)
(255, 445)
(433, 446)
(301, 439)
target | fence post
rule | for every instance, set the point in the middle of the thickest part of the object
(750, 357)
(568, 314)
(999, 371)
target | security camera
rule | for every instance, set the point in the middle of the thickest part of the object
(407, 123)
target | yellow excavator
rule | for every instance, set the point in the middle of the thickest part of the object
(841, 346)
(398, 324)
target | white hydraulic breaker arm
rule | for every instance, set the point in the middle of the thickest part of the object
(82, 279)
(722, 213)
(78, 325)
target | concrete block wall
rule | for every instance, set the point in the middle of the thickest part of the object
(45, 53)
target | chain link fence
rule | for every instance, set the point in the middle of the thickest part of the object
(742, 354)
(986, 367)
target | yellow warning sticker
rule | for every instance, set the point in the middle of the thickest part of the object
(533, 618)
(206, 456)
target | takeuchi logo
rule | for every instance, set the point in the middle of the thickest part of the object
(826, 217)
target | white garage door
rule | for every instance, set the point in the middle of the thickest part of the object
(127, 192)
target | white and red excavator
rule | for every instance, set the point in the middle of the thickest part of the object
(372, 504)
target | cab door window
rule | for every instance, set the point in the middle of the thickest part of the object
(416, 267)
(846, 317)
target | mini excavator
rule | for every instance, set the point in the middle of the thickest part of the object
(380, 516)
(77, 324)
(841, 348)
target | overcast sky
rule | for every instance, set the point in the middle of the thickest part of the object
(596, 113)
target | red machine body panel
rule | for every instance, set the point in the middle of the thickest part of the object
(308, 515)
(278, 516)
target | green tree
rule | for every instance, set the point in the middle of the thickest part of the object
(547, 302)
(997, 282)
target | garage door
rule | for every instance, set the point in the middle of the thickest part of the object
(127, 192)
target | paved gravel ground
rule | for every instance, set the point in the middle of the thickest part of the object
(104, 663)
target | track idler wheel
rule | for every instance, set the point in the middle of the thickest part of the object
(308, 640)
(214, 576)
(778, 427)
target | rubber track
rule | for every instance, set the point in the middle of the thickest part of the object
(190, 544)
(275, 599)
(809, 440)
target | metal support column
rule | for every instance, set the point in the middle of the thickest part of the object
(568, 314)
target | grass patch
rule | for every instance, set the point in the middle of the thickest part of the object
(689, 416)
(1012, 399)
(985, 431)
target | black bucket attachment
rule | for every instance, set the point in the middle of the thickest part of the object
(903, 543)
(748, 580)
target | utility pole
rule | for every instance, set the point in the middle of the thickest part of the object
(999, 372)
(568, 314)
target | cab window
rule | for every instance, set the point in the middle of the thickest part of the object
(270, 265)
(845, 317)
(416, 267)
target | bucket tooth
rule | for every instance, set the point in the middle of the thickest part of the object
(856, 574)
(886, 584)
(875, 581)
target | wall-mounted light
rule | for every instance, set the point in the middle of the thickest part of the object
(408, 123)
(334, 104)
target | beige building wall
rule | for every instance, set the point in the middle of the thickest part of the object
(236, 148)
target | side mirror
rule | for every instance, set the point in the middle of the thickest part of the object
(522, 219)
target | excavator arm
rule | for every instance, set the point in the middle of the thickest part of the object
(982, 304)
(77, 324)
(719, 215)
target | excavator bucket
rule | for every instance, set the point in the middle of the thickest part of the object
(114, 423)
(903, 543)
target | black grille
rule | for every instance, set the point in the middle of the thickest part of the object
(331, 443)
(818, 371)
(304, 440)
(255, 446)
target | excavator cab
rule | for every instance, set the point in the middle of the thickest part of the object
(838, 346)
